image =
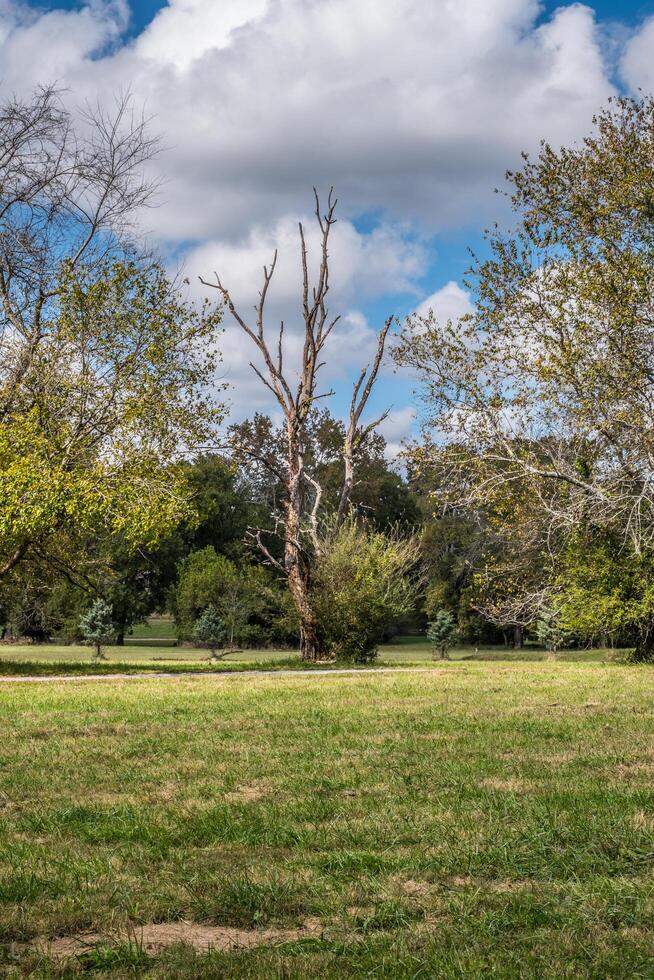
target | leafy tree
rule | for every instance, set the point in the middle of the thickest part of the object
(607, 592)
(39, 603)
(548, 382)
(96, 626)
(103, 363)
(365, 581)
(239, 594)
(379, 494)
(441, 632)
(210, 629)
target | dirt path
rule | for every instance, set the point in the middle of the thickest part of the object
(144, 675)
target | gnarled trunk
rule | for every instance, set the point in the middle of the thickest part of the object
(297, 400)
(310, 648)
(295, 560)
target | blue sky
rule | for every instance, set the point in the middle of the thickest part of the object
(412, 108)
(625, 11)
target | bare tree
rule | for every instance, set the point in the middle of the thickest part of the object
(296, 400)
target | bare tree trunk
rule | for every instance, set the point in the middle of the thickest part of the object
(295, 559)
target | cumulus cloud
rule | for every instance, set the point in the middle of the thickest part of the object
(411, 108)
(451, 302)
(396, 427)
(43, 47)
(362, 265)
(637, 66)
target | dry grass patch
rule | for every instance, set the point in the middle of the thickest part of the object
(157, 936)
(643, 821)
(249, 792)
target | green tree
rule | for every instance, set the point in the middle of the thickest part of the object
(96, 626)
(547, 383)
(607, 592)
(210, 629)
(365, 582)
(441, 632)
(110, 398)
(239, 594)
(380, 495)
(104, 365)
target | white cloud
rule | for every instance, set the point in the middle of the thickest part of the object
(39, 47)
(186, 29)
(413, 109)
(361, 265)
(451, 302)
(637, 65)
(397, 427)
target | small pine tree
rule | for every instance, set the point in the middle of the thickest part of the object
(550, 632)
(210, 629)
(96, 626)
(441, 632)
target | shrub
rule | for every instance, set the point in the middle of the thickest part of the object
(550, 631)
(364, 581)
(210, 630)
(441, 632)
(245, 596)
(96, 626)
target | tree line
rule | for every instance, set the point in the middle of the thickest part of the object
(523, 508)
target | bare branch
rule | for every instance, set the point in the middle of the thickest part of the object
(355, 434)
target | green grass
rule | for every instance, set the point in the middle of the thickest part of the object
(156, 628)
(52, 658)
(481, 819)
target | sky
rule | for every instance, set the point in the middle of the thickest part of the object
(412, 109)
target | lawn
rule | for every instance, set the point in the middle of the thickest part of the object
(157, 653)
(480, 819)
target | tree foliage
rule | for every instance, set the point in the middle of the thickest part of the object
(365, 582)
(547, 386)
(103, 364)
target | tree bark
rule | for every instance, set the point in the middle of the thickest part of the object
(295, 560)
(517, 638)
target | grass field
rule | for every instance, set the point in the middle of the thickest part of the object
(159, 654)
(481, 819)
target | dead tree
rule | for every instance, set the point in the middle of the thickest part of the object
(296, 400)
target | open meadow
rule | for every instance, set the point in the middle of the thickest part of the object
(475, 819)
(159, 654)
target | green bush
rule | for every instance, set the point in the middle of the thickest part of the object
(244, 596)
(364, 581)
(96, 626)
(441, 632)
(210, 630)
